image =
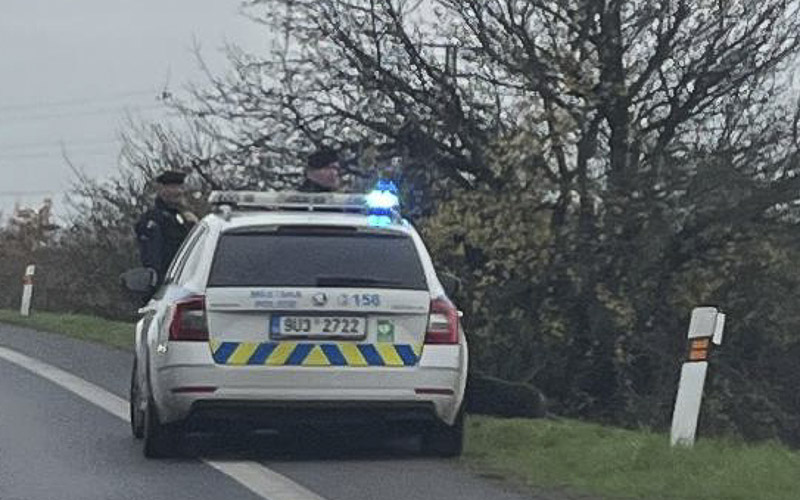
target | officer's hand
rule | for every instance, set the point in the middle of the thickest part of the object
(189, 217)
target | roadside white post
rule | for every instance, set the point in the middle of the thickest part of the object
(705, 328)
(27, 290)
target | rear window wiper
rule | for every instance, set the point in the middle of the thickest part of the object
(354, 281)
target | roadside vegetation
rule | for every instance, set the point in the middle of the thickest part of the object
(561, 454)
(615, 463)
(80, 326)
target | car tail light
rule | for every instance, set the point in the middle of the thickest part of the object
(189, 320)
(442, 322)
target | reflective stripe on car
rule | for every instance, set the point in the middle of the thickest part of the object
(314, 354)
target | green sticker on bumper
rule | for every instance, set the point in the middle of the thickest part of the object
(385, 331)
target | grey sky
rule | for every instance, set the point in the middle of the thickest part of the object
(69, 70)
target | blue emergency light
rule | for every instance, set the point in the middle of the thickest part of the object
(384, 196)
(383, 202)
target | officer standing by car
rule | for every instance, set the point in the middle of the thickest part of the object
(162, 229)
(323, 173)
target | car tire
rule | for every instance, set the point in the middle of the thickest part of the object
(443, 440)
(160, 441)
(137, 416)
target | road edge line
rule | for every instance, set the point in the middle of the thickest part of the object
(254, 476)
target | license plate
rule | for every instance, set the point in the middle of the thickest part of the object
(318, 326)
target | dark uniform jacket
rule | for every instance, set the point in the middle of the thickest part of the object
(159, 233)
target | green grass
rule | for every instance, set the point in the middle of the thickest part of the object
(615, 463)
(582, 458)
(114, 333)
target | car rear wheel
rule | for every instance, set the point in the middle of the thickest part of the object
(160, 441)
(137, 415)
(445, 440)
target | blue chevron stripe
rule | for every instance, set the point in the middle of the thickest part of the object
(333, 354)
(406, 353)
(371, 354)
(262, 353)
(299, 354)
(224, 352)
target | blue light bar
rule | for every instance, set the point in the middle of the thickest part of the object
(384, 196)
(382, 205)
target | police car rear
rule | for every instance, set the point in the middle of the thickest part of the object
(316, 313)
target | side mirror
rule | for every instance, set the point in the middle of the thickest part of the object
(139, 279)
(450, 283)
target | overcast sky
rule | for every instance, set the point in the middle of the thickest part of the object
(69, 71)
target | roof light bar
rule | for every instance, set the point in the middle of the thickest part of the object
(375, 203)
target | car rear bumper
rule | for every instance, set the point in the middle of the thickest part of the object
(432, 390)
(340, 415)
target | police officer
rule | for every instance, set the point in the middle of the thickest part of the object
(322, 172)
(162, 229)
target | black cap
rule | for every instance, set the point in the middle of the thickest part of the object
(322, 158)
(171, 177)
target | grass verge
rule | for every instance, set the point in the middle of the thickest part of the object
(615, 463)
(583, 458)
(115, 333)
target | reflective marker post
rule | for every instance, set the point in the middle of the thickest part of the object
(27, 290)
(705, 329)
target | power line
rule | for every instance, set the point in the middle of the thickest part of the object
(58, 144)
(29, 193)
(53, 155)
(78, 101)
(59, 149)
(103, 111)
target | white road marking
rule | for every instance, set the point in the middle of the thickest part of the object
(254, 476)
(263, 481)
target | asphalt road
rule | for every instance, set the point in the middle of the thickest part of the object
(55, 444)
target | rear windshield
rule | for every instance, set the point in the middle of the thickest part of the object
(317, 259)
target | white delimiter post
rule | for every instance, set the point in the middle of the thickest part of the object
(705, 328)
(27, 291)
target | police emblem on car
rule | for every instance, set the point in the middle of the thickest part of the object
(319, 299)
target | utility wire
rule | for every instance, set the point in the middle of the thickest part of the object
(59, 148)
(77, 101)
(13, 120)
(29, 193)
(80, 143)
(58, 155)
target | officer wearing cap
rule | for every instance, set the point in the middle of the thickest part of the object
(162, 229)
(322, 172)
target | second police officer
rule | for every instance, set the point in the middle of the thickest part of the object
(162, 229)
(323, 173)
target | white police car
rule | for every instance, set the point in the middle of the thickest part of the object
(287, 310)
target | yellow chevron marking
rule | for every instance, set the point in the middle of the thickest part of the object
(316, 358)
(389, 355)
(417, 349)
(352, 355)
(214, 344)
(242, 353)
(281, 353)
